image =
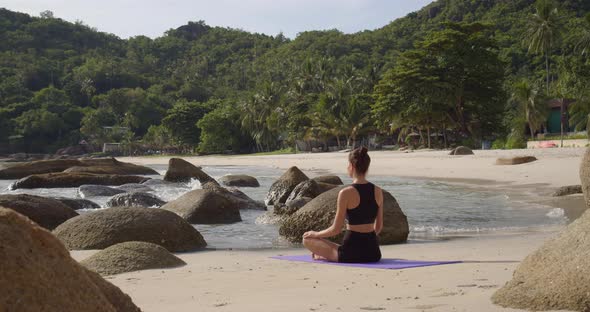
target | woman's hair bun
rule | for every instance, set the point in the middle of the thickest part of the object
(359, 158)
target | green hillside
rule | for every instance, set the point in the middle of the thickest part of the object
(221, 89)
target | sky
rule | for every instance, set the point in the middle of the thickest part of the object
(128, 18)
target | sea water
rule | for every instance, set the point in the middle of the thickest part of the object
(434, 209)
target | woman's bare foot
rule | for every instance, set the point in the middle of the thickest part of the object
(316, 257)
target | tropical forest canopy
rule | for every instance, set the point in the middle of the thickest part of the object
(455, 72)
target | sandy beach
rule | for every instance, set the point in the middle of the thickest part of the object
(242, 280)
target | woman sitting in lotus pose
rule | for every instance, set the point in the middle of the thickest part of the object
(362, 205)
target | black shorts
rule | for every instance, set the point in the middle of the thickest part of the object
(359, 247)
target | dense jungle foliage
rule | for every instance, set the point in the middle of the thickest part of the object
(454, 72)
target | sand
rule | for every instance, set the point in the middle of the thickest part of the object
(233, 280)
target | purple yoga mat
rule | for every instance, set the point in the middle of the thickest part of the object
(394, 264)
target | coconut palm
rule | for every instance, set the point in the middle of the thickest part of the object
(584, 41)
(529, 106)
(543, 30)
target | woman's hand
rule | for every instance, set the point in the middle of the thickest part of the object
(310, 234)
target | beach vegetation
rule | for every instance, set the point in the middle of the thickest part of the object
(444, 75)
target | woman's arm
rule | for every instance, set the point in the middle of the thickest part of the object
(336, 227)
(379, 219)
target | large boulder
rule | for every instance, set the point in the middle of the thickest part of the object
(47, 212)
(568, 190)
(205, 207)
(281, 188)
(135, 187)
(111, 166)
(330, 179)
(309, 188)
(319, 214)
(291, 206)
(131, 256)
(104, 165)
(461, 150)
(38, 274)
(135, 199)
(236, 196)
(554, 277)
(515, 160)
(98, 190)
(239, 180)
(585, 176)
(37, 167)
(65, 179)
(180, 170)
(104, 228)
(78, 203)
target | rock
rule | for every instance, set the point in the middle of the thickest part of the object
(135, 187)
(319, 214)
(76, 150)
(131, 256)
(38, 273)
(585, 176)
(568, 190)
(461, 150)
(77, 203)
(281, 188)
(298, 203)
(104, 228)
(106, 165)
(180, 170)
(515, 160)
(330, 179)
(291, 206)
(97, 190)
(37, 167)
(112, 166)
(135, 199)
(65, 179)
(236, 196)
(47, 212)
(205, 207)
(158, 183)
(240, 180)
(309, 188)
(554, 277)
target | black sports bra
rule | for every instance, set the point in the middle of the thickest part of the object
(366, 211)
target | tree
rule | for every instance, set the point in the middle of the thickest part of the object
(221, 131)
(532, 109)
(182, 120)
(453, 78)
(583, 44)
(542, 31)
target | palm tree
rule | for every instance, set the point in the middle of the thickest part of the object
(542, 31)
(526, 98)
(580, 115)
(584, 41)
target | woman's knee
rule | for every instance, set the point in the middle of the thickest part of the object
(307, 241)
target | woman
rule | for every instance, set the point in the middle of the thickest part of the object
(362, 205)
